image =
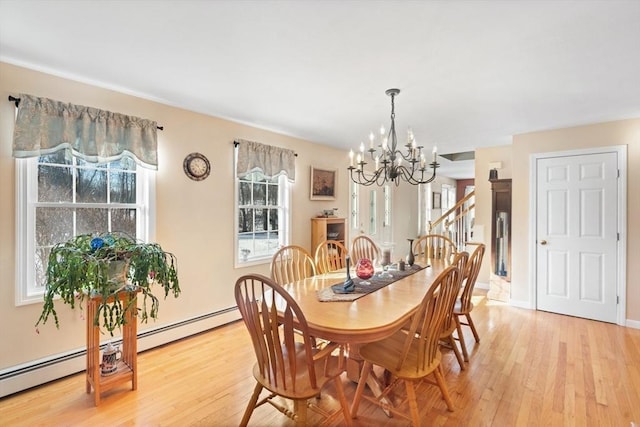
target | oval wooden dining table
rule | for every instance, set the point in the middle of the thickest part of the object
(369, 318)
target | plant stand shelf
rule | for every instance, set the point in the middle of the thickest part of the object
(128, 363)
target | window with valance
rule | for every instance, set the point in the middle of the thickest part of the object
(264, 175)
(78, 172)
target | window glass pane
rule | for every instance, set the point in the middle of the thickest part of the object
(53, 225)
(245, 220)
(259, 194)
(272, 194)
(124, 220)
(40, 264)
(91, 186)
(122, 186)
(261, 244)
(92, 221)
(273, 219)
(244, 193)
(82, 163)
(260, 219)
(59, 158)
(55, 184)
(125, 164)
(265, 243)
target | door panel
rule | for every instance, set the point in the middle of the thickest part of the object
(558, 265)
(577, 235)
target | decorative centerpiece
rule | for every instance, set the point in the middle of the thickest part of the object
(348, 285)
(410, 258)
(104, 265)
(364, 270)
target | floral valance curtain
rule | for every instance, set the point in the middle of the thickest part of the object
(272, 161)
(44, 126)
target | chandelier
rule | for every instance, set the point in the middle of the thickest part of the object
(391, 164)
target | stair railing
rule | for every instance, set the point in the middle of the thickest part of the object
(457, 222)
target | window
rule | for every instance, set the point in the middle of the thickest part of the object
(355, 206)
(448, 200)
(386, 192)
(262, 215)
(60, 196)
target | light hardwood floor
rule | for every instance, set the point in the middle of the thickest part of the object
(531, 368)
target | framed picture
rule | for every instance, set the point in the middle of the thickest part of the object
(437, 200)
(323, 184)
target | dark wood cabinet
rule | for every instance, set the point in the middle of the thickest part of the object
(500, 239)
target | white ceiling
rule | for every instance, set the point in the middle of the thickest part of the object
(472, 73)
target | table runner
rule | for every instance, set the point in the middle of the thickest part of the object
(327, 294)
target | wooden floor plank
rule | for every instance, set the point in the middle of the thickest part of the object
(530, 368)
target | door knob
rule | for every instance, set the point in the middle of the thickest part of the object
(543, 242)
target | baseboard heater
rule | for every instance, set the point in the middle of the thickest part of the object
(22, 377)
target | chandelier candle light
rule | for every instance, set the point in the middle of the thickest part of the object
(390, 163)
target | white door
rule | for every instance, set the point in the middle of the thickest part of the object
(577, 235)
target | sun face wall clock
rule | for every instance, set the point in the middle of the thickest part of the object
(196, 166)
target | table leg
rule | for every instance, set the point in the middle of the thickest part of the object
(354, 369)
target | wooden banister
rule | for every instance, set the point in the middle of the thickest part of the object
(458, 229)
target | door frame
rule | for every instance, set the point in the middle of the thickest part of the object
(621, 269)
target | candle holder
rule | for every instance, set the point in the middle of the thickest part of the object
(386, 262)
(348, 286)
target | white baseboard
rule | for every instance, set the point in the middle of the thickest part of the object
(24, 376)
(635, 324)
(520, 304)
(484, 286)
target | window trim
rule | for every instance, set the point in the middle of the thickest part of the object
(26, 171)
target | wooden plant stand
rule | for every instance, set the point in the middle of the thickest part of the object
(127, 365)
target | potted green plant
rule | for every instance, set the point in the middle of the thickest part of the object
(102, 265)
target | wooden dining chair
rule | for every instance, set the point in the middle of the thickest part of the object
(330, 256)
(434, 246)
(292, 263)
(449, 325)
(464, 306)
(286, 367)
(412, 355)
(363, 247)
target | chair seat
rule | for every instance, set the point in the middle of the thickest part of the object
(457, 308)
(387, 352)
(303, 388)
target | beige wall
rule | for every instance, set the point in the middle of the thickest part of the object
(195, 220)
(624, 132)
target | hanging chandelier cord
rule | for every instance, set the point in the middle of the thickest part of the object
(390, 164)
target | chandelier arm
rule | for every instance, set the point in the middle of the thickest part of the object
(361, 176)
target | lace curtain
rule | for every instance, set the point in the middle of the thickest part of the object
(44, 126)
(271, 161)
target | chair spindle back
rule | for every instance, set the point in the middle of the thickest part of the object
(292, 263)
(434, 246)
(330, 256)
(270, 314)
(364, 247)
(427, 321)
(470, 276)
